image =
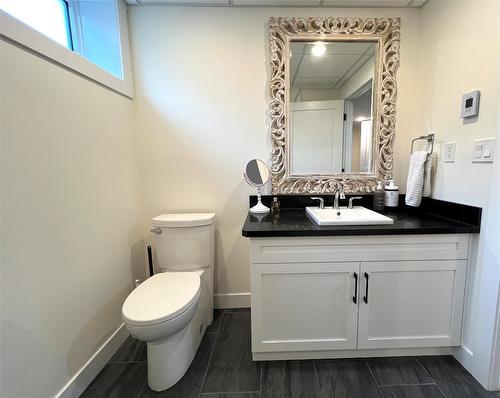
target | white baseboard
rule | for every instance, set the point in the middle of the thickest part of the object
(81, 380)
(232, 300)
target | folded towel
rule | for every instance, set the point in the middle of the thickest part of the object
(419, 178)
(426, 189)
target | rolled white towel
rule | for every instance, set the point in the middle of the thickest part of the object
(419, 178)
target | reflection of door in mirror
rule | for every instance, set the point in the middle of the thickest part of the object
(330, 117)
(317, 137)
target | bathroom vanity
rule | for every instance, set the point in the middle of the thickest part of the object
(347, 291)
(321, 290)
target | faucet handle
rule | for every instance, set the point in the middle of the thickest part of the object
(353, 198)
(340, 190)
(321, 202)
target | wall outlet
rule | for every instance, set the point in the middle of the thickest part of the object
(483, 150)
(449, 152)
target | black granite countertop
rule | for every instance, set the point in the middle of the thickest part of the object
(407, 221)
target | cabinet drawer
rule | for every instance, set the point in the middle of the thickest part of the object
(359, 248)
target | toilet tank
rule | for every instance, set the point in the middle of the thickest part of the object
(186, 241)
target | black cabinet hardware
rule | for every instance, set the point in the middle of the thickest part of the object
(365, 299)
(355, 298)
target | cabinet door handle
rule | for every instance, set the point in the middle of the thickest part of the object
(355, 297)
(365, 298)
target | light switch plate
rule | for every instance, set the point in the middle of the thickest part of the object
(483, 150)
(449, 152)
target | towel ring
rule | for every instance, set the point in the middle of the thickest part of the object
(430, 139)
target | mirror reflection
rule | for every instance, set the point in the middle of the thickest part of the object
(331, 111)
(257, 173)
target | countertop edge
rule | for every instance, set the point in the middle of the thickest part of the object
(285, 234)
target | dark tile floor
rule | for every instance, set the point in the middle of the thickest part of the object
(223, 368)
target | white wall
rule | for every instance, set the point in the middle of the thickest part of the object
(70, 241)
(485, 313)
(358, 79)
(201, 89)
(317, 95)
(460, 52)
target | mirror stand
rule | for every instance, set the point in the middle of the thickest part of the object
(257, 175)
(259, 208)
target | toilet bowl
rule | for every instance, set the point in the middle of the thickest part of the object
(171, 310)
(162, 305)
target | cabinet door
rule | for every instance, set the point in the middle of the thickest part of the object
(300, 307)
(411, 303)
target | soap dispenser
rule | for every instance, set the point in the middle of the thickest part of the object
(391, 194)
(379, 197)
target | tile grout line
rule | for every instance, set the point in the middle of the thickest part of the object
(211, 354)
(407, 384)
(261, 367)
(374, 378)
(229, 392)
(144, 385)
(425, 370)
(261, 363)
(316, 373)
(122, 362)
(432, 378)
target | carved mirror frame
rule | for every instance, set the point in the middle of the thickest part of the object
(383, 31)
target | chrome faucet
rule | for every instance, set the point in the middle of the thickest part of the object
(321, 202)
(339, 193)
(351, 200)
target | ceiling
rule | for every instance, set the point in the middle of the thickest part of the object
(285, 3)
(329, 71)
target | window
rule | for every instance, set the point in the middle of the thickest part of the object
(93, 29)
(49, 17)
(96, 33)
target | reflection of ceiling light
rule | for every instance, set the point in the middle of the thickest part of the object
(362, 118)
(318, 49)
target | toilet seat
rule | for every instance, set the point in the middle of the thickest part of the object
(162, 297)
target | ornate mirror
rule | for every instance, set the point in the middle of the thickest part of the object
(333, 103)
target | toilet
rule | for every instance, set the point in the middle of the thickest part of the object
(171, 310)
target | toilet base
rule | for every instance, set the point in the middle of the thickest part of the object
(169, 359)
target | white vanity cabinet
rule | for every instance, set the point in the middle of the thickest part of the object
(411, 304)
(289, 298)
(312, 296)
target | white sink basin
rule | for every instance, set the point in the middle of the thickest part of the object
(343, 216)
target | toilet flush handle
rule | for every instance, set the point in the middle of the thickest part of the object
(156, 230)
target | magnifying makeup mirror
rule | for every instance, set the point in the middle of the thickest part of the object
(257, 175)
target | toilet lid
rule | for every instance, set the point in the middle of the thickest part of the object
(161, 297)
(183, 220)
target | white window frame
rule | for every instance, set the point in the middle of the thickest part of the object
(25, 36)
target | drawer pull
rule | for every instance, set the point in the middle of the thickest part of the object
(365, 298)
(355, 297)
